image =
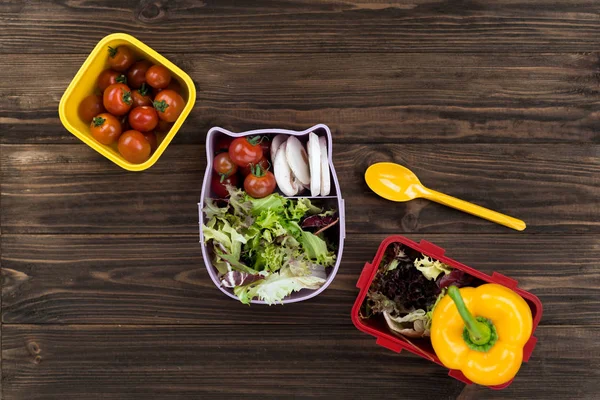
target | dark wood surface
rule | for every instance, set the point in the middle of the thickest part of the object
(104, 291)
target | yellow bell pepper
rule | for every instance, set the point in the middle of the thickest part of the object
(487, 348)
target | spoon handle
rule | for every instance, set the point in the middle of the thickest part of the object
(473, 209)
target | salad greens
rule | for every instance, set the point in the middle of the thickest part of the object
(260, 248)
(407, 287)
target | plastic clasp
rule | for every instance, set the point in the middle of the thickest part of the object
(504, 280)
(364, 276)
(388, 344)
(432, 248)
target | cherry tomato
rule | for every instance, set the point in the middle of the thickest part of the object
(117, 99)
(151, 138)
(109, 77)
(244, 151)
(259, 183)
(223, 165)
(169, 105)
(218, 186)
(158, 76)
(141, 97)
(173, 85)
(134, 147)
(143, 119)
(163, 126)
(223, 144)
(120, 58)
(124, 123)
(263, 162)
(105, 128)
(90, 107)
(136, 75)
(265, 143)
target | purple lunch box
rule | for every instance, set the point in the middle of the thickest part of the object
(334, 200)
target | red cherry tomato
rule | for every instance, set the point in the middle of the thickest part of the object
(265, 143)
(151, 138)
(223, 165)
(117, 99)
(134, 147)
(245, 150)
(109, 77)
(218, 186)
(263, 162)
(90, 107)
(163, 126)
(143, 119)
(259, 183)
(169, 105)
(173, 85)
(223, 144)
(105, 128)
(158, 76)
(136, 75)
(120, 58)
(141, 97)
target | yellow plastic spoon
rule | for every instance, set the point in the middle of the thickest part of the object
(397, 183)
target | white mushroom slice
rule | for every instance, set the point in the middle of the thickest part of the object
(299, 185)
(276, 144)
(314, 162)
(325, 178)
(297, 160)
(283, 173)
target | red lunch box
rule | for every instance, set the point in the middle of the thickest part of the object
(395, 343)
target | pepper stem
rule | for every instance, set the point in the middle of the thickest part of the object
(480, 333)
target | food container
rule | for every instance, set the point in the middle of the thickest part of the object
(422, 347)
(84, 84)
(334, 200)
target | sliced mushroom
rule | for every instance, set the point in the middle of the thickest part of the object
(297, 160)
(275, 144)
(325, 178)
(314, 162)
(283, 173)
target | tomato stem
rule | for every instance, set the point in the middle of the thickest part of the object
(143, 90)
(127, 98)
(257, 170)
(122, 79)
(98, 121)
(160, 106)
(254, 140)
(112, 51)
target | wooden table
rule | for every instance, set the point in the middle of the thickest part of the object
(104, 291)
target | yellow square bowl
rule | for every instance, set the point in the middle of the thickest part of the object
(84, 84)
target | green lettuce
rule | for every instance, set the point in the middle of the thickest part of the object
(263, 236)
(275, 287)
(431, 268)
(316, 249)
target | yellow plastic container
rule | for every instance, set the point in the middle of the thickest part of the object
(84, 84)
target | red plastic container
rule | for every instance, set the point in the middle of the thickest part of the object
(385, 338)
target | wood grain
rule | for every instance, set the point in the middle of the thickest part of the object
(301, 26)
(374, 98)
(120, 279)
(72, 189)
(98, 362)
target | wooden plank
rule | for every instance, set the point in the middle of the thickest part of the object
(142, 362)
(72, 189)
(398, 98)
(155, 279)
(302, 26)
